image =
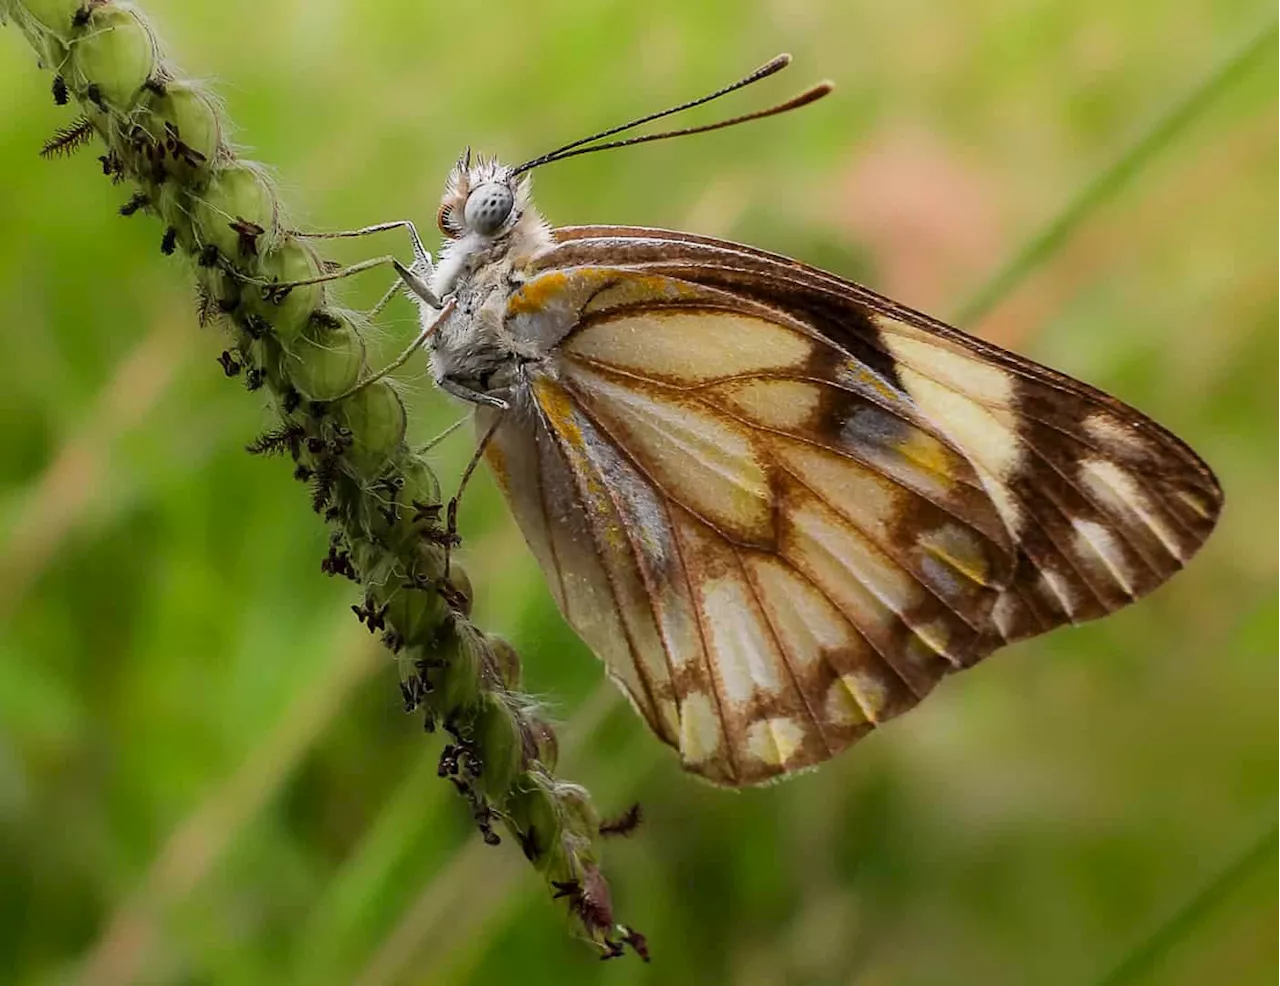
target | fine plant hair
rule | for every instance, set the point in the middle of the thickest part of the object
(164, 137)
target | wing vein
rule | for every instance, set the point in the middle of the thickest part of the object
(641, 671)
(734, 769)
(782, 652)
(892, 556)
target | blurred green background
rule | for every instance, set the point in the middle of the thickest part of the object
(205, 775)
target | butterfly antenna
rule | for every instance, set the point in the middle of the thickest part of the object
(763, 72)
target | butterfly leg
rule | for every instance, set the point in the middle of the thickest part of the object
(421, 266)
(277, 290)
(419, 341)
(421, 258)
(443, 435)
(451, 513)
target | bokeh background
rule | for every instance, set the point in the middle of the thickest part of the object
(205, 775)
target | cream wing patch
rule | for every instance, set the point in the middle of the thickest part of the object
(968, 400)
(685, 347)
(1117, 487)
(738, 640)
(705, 461)
(775, 741)
(700, 729)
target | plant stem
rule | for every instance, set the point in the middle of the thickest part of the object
(163, 136)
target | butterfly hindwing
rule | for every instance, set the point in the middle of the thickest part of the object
(781, 508)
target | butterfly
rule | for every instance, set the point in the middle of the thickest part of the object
(778, 505)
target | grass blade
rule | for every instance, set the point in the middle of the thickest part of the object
(1108, 182)
(1183, 922)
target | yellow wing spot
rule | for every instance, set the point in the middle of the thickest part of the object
(1197, 503)
(498, 466)
(534, 296)
(869, 692)
(558, 408)
(699, 728)
(928, 642)
(929, 454)
(960, 550)
(841, 707)
(775, 741)
(863, 377)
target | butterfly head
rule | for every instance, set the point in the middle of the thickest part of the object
(488, 220)
(483, 199)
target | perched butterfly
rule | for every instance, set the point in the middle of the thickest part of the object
(779, 505)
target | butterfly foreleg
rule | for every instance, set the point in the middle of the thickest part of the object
(276, 290)
(421, 268)
(419, 341)
(421, 258)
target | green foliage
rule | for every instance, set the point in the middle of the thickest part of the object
(203, 772)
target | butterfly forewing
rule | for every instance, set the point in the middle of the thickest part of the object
(781, 507)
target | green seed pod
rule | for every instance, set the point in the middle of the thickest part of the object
(460, 677)
(498, 738)
(420, 485)
(579, 813)
(325, 368)
(536, 818)
(416, 614)
(290, 314)
(377, 422)
(117, 54)
(372, 561)
(560, 864)
(506, 662)
(171, 202)
(541, 743)
(221, 289)
(462, 584)
(430, 561)
(240, 193)
(56, 15)
(186, 114)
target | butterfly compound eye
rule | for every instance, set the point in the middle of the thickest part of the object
(488, 207)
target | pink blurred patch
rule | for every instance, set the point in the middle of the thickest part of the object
(931, 218)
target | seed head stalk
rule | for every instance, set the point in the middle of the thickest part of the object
(164, 136)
